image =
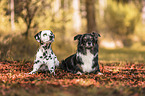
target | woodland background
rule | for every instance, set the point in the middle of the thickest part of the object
(121, 24)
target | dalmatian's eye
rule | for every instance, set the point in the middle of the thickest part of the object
(45, 34)
(51, 36)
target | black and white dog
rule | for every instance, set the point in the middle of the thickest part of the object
(45, 55)
(86, 58)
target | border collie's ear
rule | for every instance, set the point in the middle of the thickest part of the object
(38, 36)
(77, 37)
(96, 34)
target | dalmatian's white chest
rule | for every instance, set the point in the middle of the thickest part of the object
(40, 54)
(87, 61)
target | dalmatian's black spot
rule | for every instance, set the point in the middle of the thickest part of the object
(44, 54)
(49, 56)
(52, 68)
(45, 57)
(52, 52)
(37, 61)
(41, 43)
(51, 33)
(41, 56)
(48, 46)
(45, 47)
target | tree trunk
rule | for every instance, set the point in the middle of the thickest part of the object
(102, 5)
(26, 34)
(91, 21)
(56, 7)
(143, 12)
(76, 15)
(12, 16)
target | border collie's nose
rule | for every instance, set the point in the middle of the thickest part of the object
(89, 43)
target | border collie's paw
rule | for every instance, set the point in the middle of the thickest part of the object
(99, 73)
(79, 73)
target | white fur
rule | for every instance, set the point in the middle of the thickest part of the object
(46, 38)
(87, 60)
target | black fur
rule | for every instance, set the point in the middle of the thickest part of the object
(86, 42)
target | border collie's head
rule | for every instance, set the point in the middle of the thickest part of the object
(87, 40)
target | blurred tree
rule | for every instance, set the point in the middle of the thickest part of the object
(76, 15)
(143, 11)
(91, 20)
(120, 21)
(5, 25)
(102, 5)
(122, 1)
(12, 16)
(26, 9)
(56, 8)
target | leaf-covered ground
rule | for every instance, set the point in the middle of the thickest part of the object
(119, 78)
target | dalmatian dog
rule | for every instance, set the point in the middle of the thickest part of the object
(45, 56)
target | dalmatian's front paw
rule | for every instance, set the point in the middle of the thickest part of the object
(53, 73)
(57, 63)
(32, 73)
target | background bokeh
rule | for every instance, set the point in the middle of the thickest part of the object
(121, 24)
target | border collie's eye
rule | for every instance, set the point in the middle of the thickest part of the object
(91, 38)
(45, 34)
(85, 38)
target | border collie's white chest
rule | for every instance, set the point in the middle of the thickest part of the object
(87, 61)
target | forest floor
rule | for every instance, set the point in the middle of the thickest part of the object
(120, 78)
(117, 79)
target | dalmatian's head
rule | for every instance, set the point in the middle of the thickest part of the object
(45, 37)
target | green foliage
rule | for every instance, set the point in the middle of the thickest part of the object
(120, 19)
(4, 20)
(123, 54)
(18, 48)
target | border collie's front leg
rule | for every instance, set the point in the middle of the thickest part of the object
(96, 66)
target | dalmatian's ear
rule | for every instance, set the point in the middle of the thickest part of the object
(52, 34)
(77, 37)
(38, 36)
